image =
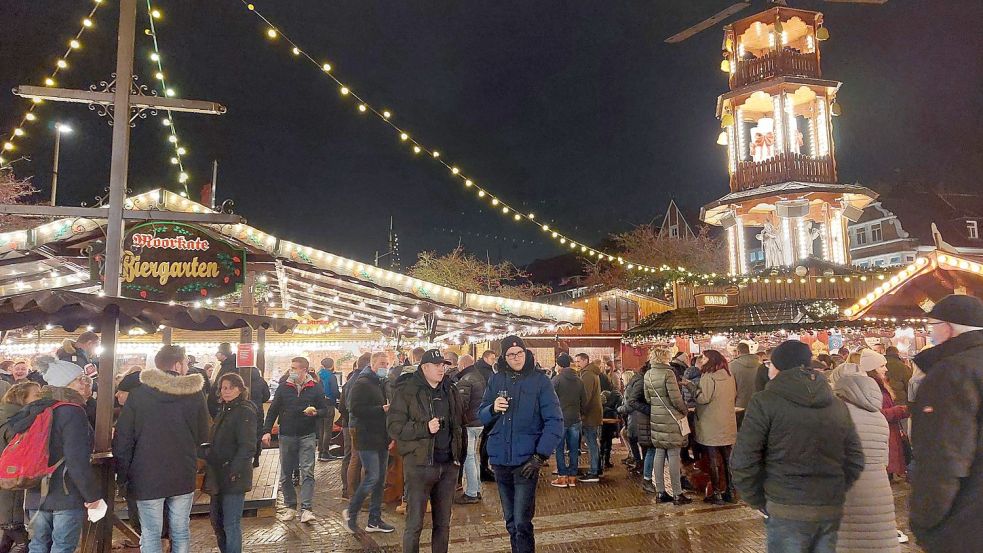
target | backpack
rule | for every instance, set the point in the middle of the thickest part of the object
(24, 462)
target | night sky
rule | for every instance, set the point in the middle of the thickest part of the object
(577, 111)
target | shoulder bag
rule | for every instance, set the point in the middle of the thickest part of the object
(682, 422)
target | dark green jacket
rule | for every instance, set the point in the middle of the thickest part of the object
(410, 414)
(797, 452)
(898, 375)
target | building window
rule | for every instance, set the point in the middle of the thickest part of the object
(673, 232)
(909, 258)
(896, 260)
(618, 314)
(861, 236)
(875, 233)
(973, 227)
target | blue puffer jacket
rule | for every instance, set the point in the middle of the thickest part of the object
(533, 423)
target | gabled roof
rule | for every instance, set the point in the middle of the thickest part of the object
(918, 209)
(675, 216)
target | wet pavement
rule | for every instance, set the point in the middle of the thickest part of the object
(613, 515)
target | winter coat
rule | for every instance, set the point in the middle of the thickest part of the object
(159, 430)
(591, 375)
(343, 403)
(868, 524)
(894, 415)
(745, 371)
(410, 414)
(74, 482)
(689, 393)
(74, 354)
(947, 439)
(289, 404)
(11, 501)
(570, 392)
(716, 421)
(898, 375)
(533, 424)
(485, 369)
(259, 390)
(471, 387)
(638, 411)
(365, 410)
(660, 382)
(798, 452)
(329, 381)
(229, 458)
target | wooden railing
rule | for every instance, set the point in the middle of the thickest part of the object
(775, 64)
(782, 168)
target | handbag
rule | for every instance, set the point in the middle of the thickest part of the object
(682, 422)
(905, 445)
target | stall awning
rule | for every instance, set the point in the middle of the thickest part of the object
(72, 310)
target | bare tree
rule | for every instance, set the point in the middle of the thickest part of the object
(463, 271)
(13, 191)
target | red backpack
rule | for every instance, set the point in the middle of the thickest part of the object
(24, 462)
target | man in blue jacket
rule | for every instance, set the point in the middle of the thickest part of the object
(329, 381)
(526, 423)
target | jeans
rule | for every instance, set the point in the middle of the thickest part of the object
(518, 496)
(374, 462)
(793, 536)
(593, 451)
(226, 518)
(56, 531)
(297, 452)
(719, 458)
(471, 476)
(325, 429)
(659, 457)
(434, 483)
(178, 510)
(570, 443)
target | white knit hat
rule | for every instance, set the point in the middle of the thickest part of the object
(871, 360)
(61, 373)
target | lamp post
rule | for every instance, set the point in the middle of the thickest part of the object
(60, 128)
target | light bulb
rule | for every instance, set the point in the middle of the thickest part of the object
(481, 193)
(86, 22)
(416, 149)
(436, 153)
(296, 51)
(327, 67)
(8, 146)
(517, 217)
(155, 57)
(386, 114)
(174, 161)
(159, 76)
(18, 132)
(166, 122)
(172, 139)
(505, 210)
(455, 170)
(362, 108)
(31, 117)
(169, 92)
(155, 14)
(181, 151)
(271, 33)
(495, 201)
(563, 240)
(403, 136)
(555, 234)
(546, 228)
(725, 65)
(722, 138)
(468, 183)
(344, 91)
(74, 44)
(49, 82)
(183, 177)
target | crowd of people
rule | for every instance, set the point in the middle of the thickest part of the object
(813, 442)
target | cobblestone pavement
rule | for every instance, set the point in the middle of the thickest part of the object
(614, 515)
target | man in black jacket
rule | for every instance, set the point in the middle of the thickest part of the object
(947, 434)
(573, 403)
(57, 518)
(425, 421)
(471, 387)
(350, 465)
(297, 404)
(367, 408)
(158, 433)
(486, 366)
(797, 454)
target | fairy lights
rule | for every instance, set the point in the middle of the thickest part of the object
(60, 65)
(172, 136)
(386, 116)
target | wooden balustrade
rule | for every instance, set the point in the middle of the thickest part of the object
(774, 64)
(782, 168)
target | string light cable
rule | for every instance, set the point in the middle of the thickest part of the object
(275, 33)
(61, 64)
(172, 137)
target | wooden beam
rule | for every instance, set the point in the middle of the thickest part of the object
(128, 214)
(106, 99)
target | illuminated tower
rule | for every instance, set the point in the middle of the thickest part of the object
(777, 128)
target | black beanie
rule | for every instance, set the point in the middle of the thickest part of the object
(512, 342)
(563, 360)
(791, 354)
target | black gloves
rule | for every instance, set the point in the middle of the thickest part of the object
(530, 469)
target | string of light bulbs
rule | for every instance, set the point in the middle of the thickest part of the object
(273, 32)
(159, 75)
(75, 43)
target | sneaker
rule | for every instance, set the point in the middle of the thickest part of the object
(681, 500)
(287, 515)
(902, 537)
(715, 499)
(307, 516)
(590, 478)
(664, 498)
(560, 482)
(571, 482)
(380, 526)
(648, 487)
(465, 499)
(348, 523)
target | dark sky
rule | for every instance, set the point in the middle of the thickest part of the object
(575, 110)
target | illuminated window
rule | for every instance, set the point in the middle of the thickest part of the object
(618, 314)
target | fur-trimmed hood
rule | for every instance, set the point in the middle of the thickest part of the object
(176, 385)
(68, 346)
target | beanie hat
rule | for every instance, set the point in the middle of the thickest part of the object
(871, 360)
(512, 342)
(563, 360)
(61, 373)
(129, 382)
(958, 309)
(791, 354)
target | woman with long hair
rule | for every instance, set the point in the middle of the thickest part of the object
(875, 365)
(229, 467)
(716, 420)
(667, 408)
(12, 501)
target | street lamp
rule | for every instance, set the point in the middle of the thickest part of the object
(60, 128)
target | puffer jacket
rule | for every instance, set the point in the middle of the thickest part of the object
(409, 417)
(660, 382)
(366, 412)
(716, 420)
(638, 411)
(947, 440)
(471, 386)
(798, 452)
(11, 501)
(868, 524)
(533, 423)
(591, 375)
(229, 459)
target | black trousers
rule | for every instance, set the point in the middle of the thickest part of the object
(483, 451)
(436, 484)
(608, 432)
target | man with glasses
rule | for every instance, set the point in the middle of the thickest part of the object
(524, 413)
